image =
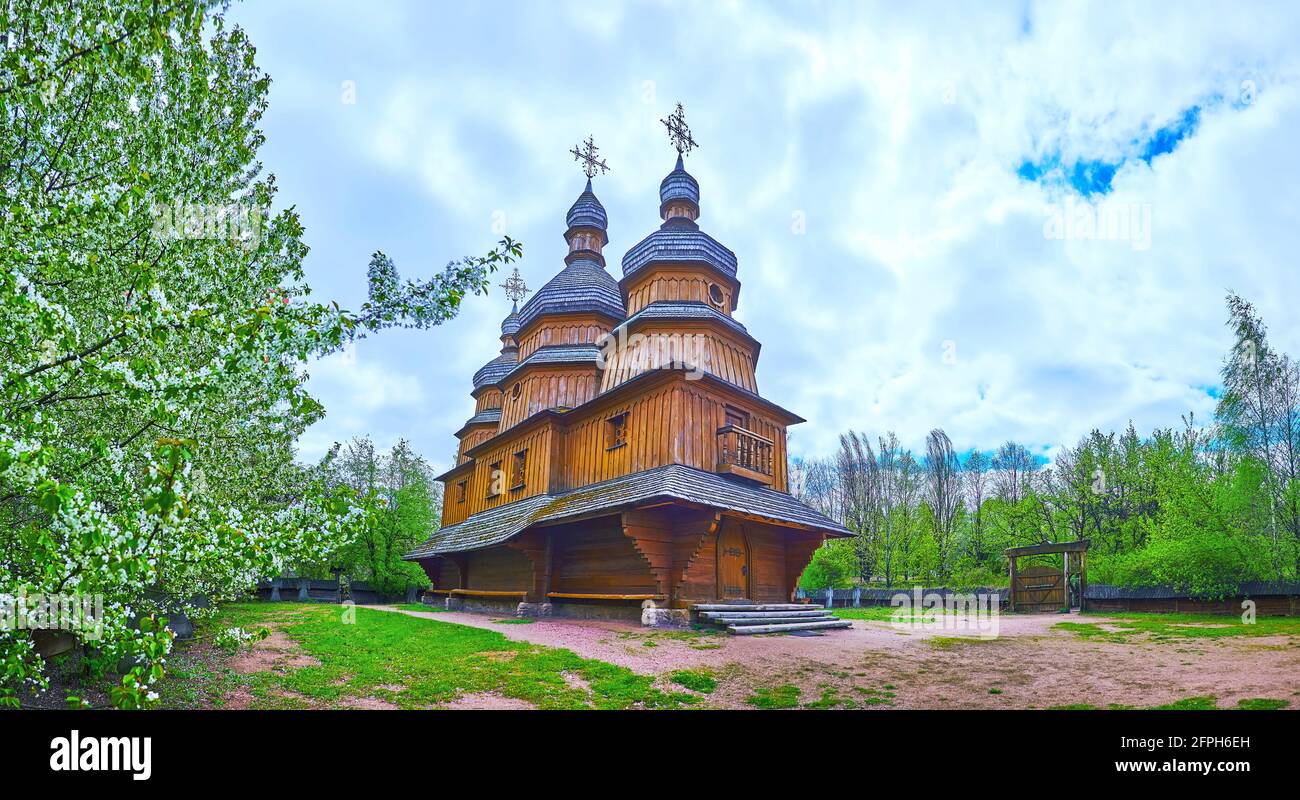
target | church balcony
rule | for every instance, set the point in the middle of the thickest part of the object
(745, 454)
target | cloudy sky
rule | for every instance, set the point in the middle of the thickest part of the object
(1011, 221)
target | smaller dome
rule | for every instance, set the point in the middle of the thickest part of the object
(495, 370)
(510, 325)
(679, 185)
(587, 212)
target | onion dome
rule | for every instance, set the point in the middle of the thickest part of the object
(586, 233)
(510, 325)
(587, 212)
(583, 285)
(679, 193)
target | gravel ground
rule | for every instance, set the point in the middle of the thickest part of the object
(874, 665)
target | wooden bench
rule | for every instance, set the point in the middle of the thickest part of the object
(583, 596)
(485, 593)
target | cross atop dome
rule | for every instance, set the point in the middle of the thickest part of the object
(587, 155)
(679, 133)
(515, 287)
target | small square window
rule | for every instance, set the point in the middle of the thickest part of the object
(518, 469)
(616, 431)
(462, 490)
(737, 418)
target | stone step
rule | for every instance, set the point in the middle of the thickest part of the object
(714, 615)
(747, 630)
(775, 619)
(756, 607)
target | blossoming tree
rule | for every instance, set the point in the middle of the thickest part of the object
(154, 325)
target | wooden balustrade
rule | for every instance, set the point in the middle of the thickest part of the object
(745, 453)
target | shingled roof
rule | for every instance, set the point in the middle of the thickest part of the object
(685, 309)
(558, 354)
(675, 241)
(495, 370)
(674, 481)
(489, 415)
(679, 185)
(584, 285)
(587, 211)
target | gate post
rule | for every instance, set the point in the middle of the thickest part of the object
(1012, 592)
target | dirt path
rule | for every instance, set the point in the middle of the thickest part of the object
(1029, 665)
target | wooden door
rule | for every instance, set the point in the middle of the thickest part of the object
(733, 562)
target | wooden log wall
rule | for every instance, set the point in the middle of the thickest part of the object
(669, 550)
(556, 329)
(651, 533)
(541, 388)
(595, 557)
(537, 476)
(696, 416)
(488, 398)
(501, 568)
(665, 344)
(680, 283)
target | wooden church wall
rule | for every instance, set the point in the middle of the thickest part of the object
(586, 459)
(681, 284)
(594, 557)
(443, 573)
(699, 346)
(500, 569)
(769, 565)
(696, 416)
(488, 399)
(540, 389)
(675, 423)
(537, 476)
(566, 329)
(473, 439)
(767, 579)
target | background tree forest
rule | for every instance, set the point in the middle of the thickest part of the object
(1198, 507)
(403, 504)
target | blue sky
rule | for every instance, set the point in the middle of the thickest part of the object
(886, 173)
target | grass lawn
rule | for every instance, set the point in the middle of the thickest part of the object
(1124, 628)
(888, 613)
(420, 607)
(400, 660)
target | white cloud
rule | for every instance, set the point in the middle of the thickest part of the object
(897, 133)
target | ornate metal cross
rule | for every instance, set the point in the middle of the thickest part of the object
(587, 155)
(679, 133)
(515, 287)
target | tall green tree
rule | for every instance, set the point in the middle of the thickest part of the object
(405, 505)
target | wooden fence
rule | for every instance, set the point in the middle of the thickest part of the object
(1270, 598)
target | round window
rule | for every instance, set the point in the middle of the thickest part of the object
(715, 294)
(515, 391)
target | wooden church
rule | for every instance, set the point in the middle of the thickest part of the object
(621, 461)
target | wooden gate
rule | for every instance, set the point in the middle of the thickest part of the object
(1040, 588)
